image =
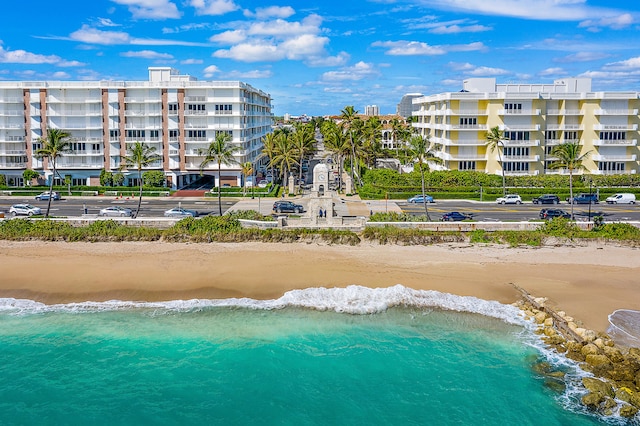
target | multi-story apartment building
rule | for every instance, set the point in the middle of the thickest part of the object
(176, 114)
(534, 118)
(406, 107)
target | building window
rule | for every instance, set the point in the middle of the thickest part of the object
(467, 165)
(516, 136)
(228, 132)
(197, 134)
(135, 133)
(513, 108)
(613, 136)
(78, 146)
(224, 108)
(610, 166)
(468, 121)
(114, 134)
(174, 133)
(154, 133)
(551, 135)
(516, 151)
(95, 146)
(173, 107)
(515, 167)
(571, 136)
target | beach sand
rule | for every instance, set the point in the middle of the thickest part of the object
(588, 282)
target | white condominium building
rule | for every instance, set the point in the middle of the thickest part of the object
(534, 118)
(174, 113)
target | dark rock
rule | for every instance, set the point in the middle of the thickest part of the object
(628, 411)
(598, 386)
(592, 400)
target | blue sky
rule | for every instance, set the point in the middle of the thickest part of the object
(317, 57)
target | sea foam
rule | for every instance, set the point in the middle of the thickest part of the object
(354, 299)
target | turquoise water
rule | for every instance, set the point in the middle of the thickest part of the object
(398, 361)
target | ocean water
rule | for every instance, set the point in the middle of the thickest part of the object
(353, 356)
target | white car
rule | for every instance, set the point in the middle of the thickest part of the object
(116, 211)
(621, 199)
(509, 199)
(24, 210)
(180, 212)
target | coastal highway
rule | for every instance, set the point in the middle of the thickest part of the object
(482, 211)
(151, 207)
(490, 211)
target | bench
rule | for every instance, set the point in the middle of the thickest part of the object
(111, 193)
(5, 192)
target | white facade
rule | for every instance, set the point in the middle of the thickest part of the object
(175, 113)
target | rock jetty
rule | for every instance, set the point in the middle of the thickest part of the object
(615, 385)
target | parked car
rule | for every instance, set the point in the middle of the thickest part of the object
(180, 212)
(547, 199)
(418, 199)
(116, 211)
(553, 213)
(509, 199)
(621, 199)
(456, 216)
(24, 210)
(287, 207)
(584, 198)
(45, 196)
(263, 183)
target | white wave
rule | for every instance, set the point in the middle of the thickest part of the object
(351, 300)
(624, 327)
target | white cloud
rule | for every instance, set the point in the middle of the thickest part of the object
(209, 71)
(106, 22)
(213, 7)
(630, 64)
(89, 35)
(191, 61)
(271, 12)
(151, 9)
(583, 57)
(60, 75)
(185, 27)
(456, 29)
(614, 22)
(274, 41)
(551, 72)
(477, 71)
(357, 72)
(147, 54)
(414, 48)
(24, 57)
(555, 10)
(329, 61)
(240, 75)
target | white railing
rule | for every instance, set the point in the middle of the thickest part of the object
(615, 127)
(522, 127)
(616, 112)
(527, 158)
(563, 127)
(614, 158)
(510, 142)
(14, 152)
(625, 142)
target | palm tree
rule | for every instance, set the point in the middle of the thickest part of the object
(372, 146)
(269, 148)
(139, 155)
(495, 140)
(349, 115)
(419, 150)
(55, 145)
(302, 141)
(220, 151)
(247, 170)
(335, 140)
(568, 157)
(286, 156)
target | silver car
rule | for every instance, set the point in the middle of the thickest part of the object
(116, 211)
(180, 212)
(24, 210)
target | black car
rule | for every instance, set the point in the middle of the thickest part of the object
(287, 207)
(549, 214)
(455, 216)
(584, 199)
(547, 199)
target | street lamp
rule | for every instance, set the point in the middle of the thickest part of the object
(590, 183)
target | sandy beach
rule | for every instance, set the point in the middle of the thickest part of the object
(588, 282)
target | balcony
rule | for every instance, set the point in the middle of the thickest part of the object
(615, 127)
(535, 142)
(616, 112)
(563, 127)
(11, 138)
(519, 112)
(619, 142)
(174, 152)
(461, 157)
(622, 158)
(614, 172)
(11, 165)
(192, 112)
(475, 127)
(532, 127)
(14, 152)
(459, 142)
(468, 112)
(14, 113)
(87, 152)
(522, 173)
(521, 158)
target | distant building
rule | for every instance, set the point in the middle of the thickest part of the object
(372, 110)
(406, 107)
(534, 118)
(389, 140)
(174, 113)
